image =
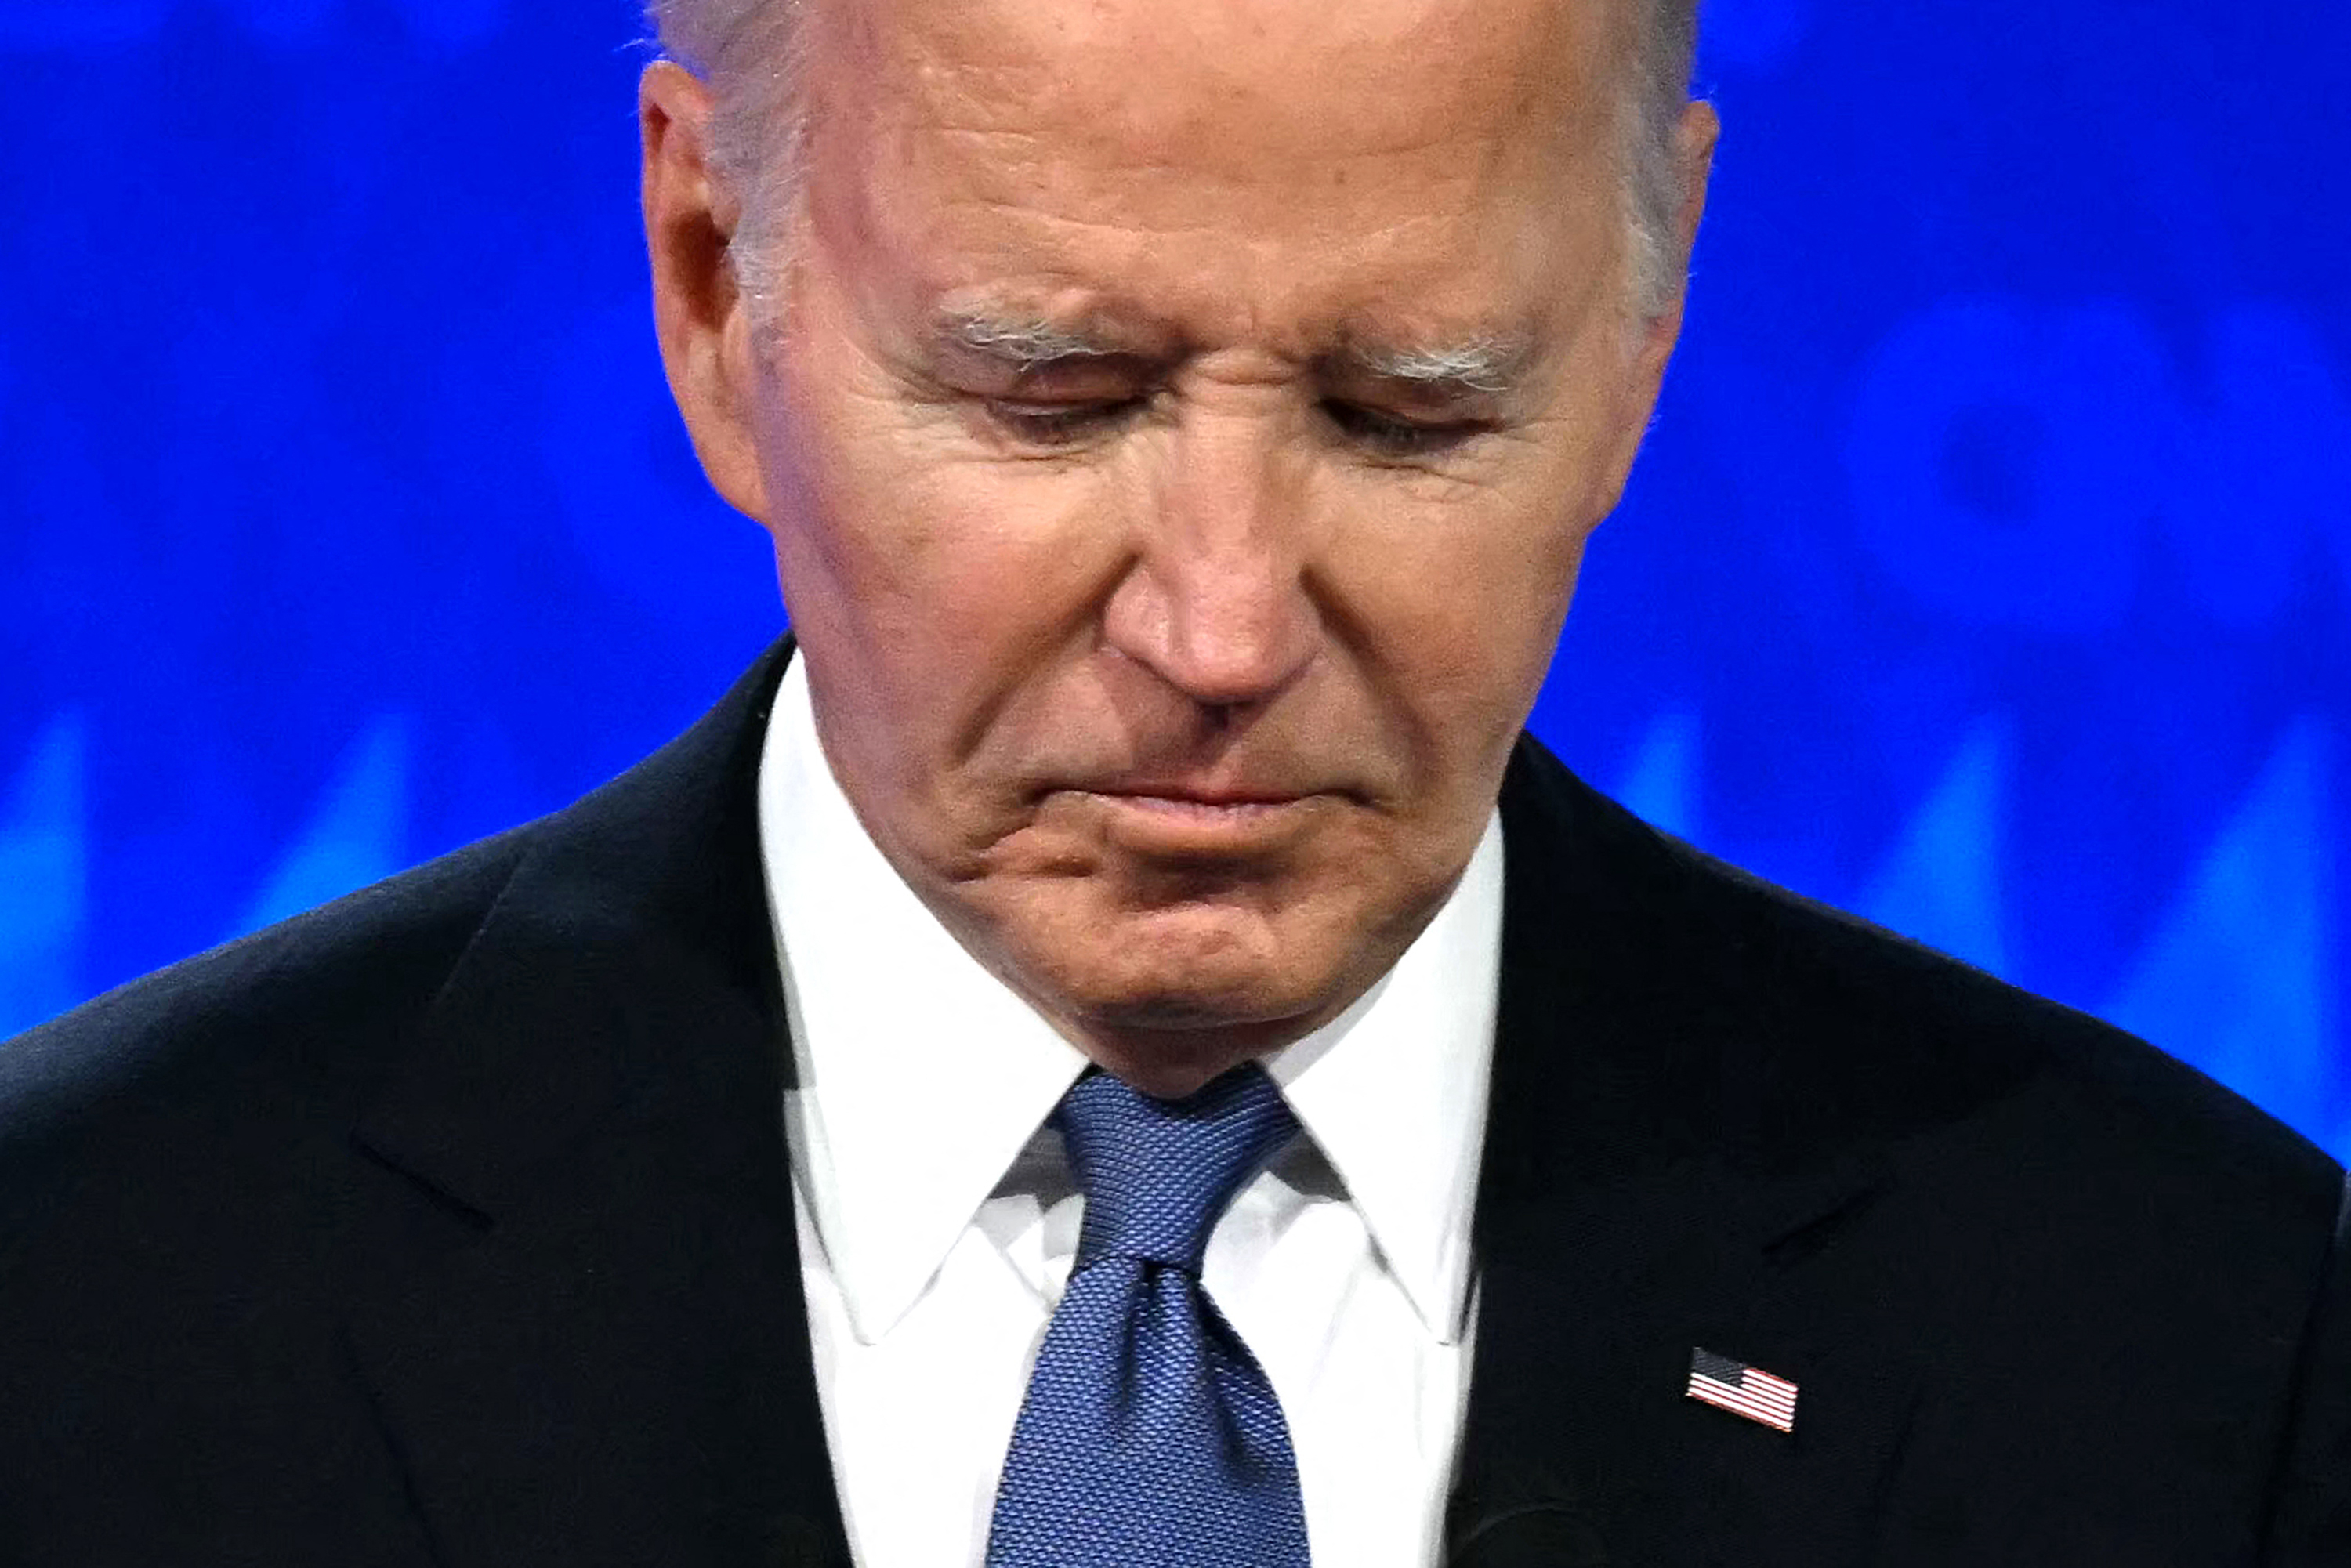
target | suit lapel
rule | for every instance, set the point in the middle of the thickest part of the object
(588, 1344)
(1654, 1183)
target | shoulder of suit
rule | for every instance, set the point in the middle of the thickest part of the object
(298, 1020)
(1903, 1045)
(2069, 1068)
(295, 1018)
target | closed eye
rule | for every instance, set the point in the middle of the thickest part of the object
(1389, 436)
(1060, 424)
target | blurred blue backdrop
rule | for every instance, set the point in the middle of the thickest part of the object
(1989, 572)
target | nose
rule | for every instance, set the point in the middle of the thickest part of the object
(1219, 601)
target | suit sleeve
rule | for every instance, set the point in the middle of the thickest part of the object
(2310, 1518)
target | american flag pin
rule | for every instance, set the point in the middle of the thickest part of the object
(1742, 1390)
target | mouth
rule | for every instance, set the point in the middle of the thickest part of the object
(1180, 818)
(1209, 803)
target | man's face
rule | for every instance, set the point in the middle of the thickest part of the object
(1179, 438)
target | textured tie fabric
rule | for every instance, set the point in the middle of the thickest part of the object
(1150, 1438)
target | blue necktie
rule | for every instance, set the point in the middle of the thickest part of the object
(1150, 1438)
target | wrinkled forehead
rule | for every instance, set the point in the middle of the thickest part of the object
(1375, 72)
(1405, 144)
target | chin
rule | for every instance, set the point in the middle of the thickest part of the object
(1169, 973)
(1195, 971)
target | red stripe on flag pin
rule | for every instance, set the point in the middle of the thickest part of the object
(1742, 1390)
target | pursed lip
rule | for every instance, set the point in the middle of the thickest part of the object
(1212, 818)
(1199, 796)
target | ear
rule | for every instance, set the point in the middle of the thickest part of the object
(705, 336)
(1694, 140)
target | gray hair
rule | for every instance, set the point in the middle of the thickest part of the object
(1665, 55)
(742, 48)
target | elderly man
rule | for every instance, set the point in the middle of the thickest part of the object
(1113, 1048)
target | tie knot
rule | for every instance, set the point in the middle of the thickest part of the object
(1157, 1173)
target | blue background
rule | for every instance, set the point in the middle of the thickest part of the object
(1989, 572)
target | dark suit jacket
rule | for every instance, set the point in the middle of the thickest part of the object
(451, 1224)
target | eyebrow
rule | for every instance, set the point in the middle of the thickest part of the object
(1490, 363)
(1487, 364)
(1027, 342)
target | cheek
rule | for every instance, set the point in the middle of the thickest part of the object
(933, 580)
(1521, 562)
(1458, 616)
(922, 555)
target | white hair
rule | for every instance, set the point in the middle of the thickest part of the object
(1657, 93)
(1484, 364)
(743, 50)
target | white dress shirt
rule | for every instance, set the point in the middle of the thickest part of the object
(938, 1220)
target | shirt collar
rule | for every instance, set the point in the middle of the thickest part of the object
(1393, 1092)
(921, 1076)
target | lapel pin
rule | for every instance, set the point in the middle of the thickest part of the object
(1742, 1390)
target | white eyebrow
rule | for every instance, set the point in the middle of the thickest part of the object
(1486, 364)
(1490, 363)
(1026, 341)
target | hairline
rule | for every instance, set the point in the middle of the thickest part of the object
(759, 131)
